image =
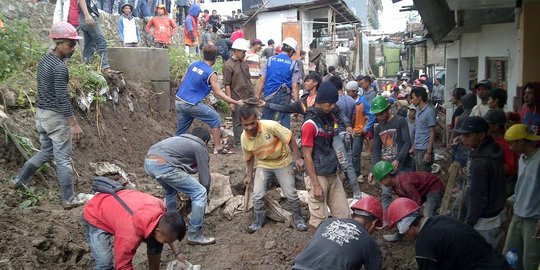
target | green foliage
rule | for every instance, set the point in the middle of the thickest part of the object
(222, 107)
(179, 62)
(19, 49)
(30, 197)
(84, 77)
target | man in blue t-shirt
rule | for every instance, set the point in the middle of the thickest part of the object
(281, 79)
(424, 137)
(197, 83)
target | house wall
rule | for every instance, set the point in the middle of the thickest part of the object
(268, 25)
(470, 53)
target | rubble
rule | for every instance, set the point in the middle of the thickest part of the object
(220, 192)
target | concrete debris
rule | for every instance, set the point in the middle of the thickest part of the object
(439, 157)
(3, 116)
(177, 265)
(84, 197)
(220, 192)
(106, 168)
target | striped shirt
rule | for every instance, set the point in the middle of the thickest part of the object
(270, 147)
(52, 84)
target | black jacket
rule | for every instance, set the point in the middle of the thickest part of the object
(486, 194)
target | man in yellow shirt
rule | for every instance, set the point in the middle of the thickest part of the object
(267, 145)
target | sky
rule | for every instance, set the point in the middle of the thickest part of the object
(391, 19)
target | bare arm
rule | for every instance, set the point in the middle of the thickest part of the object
(295, 91)
(310, 167)
(294, 147)
(87, 17)
(260, 86)
(250, 164)
(219, 93)
(431, 140)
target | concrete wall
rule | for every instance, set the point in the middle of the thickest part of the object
(495, 40)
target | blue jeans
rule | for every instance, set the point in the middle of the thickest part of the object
(344, 156)
(358, 144)
(93, 39)
(100, 243)
(55, 140)
(174, 180)
(432, 203)
(281, 97)
(186, 112)
(285, 178)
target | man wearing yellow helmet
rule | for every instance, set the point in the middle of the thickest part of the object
(524, 231)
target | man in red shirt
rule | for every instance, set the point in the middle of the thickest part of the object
(421, 187)
(497, 120)
(238, 33)
(104, 216)
(530, 112)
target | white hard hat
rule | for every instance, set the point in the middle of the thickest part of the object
(290, 42)
(241, 44)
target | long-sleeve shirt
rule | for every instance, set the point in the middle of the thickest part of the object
(391, 141)
(186, 152)
(416, 185)
(52, 84)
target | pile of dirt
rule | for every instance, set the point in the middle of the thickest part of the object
(47, 237)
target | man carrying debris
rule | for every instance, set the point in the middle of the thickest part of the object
(421, 187)
(345, 243)
(279, 82)
(196, 84)
(485, 194)
(443, 242)
(237, 82)
(103, 216)
(269, 144)
(324, 187)
(171, 162)
(524, 231)
(55, 122)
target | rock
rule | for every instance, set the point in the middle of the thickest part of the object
(237, 182)
(220, 192)
(10, 97)
(270, 244)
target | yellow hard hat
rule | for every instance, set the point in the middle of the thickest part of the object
(520, 131)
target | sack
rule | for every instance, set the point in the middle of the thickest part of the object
(106, 185)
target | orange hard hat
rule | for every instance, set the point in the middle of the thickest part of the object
(400, 208)
(372, 206)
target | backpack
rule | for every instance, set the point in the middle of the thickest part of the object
(106, 185)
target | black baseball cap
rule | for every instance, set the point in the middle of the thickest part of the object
(495, 117)
(473, 124)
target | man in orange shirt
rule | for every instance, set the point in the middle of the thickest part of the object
(164, 28)
(362, 122)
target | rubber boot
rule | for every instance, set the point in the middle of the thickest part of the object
(396, 237)
(258, 223)
(197, 238)
(25, 175)
(357, 194)
(299, 222)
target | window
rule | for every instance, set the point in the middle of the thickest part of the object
(497, 71)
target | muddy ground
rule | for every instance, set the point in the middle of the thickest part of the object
(47, 237)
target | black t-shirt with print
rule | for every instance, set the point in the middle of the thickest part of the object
(340, 244)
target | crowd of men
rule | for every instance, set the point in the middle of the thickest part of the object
(397, 126)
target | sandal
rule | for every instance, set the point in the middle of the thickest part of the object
(222, 151)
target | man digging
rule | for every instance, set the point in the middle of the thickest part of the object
(267, 145)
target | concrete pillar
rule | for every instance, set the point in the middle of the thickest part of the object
(530, 38)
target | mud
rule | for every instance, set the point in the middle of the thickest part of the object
(47, 237)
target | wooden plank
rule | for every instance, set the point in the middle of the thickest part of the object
(294, 30)
(455, 167)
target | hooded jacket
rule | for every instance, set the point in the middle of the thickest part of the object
(105, 212)
(486, 195)
(190, 27)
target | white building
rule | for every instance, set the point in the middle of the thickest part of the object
(223, 7)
